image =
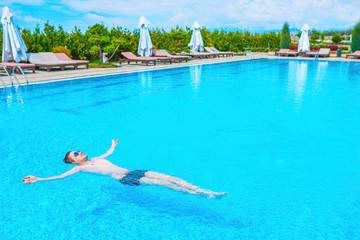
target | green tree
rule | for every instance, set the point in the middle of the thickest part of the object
(179, 38)
(48, 38)
(285, 40)
(98, 38)
(322, 36)
(336, 38)
(77, 45)
(355, 39)
(206, 36)
(33, 40)
(116, 40)
(158, 37)
(131, 40)
(62, 49)
(231, 41)
(315, 35)
(62, 37)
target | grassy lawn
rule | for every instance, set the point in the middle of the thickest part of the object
(97, 64)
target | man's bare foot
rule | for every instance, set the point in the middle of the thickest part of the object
(217, 195)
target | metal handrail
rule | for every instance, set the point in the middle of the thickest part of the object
(22, 72)
(249, 55)
(14, 75)
(3, 82)
(8, 74)
(316, 56)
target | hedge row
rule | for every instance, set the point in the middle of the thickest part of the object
(98, 38)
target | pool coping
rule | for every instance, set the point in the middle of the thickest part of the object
(42, 77)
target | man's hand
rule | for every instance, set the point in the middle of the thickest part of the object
(30, 179)
(114, 142)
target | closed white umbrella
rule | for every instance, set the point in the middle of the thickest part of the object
(14, 48)
(145, 44)
(304, 43)
(196, 41)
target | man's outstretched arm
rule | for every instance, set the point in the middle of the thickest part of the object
(114, 142)
(31, 179)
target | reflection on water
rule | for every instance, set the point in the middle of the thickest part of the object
(195, 79)
(300, 81)
(14, 96)
(195, 74)
(164, 205)
(352, 70)
(320, 73)
(146, 79)
(297, 80)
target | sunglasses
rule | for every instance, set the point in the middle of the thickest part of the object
(77, 153)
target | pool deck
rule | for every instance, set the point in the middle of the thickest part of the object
(68, 74)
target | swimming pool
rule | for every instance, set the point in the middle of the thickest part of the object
(280, 136)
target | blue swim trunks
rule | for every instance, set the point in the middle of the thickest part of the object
(133, 178)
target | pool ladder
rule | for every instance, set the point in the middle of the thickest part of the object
(249, 55)
(316, 56)
(12, 76)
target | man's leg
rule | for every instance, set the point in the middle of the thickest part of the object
(168, 178)
(179, 184)
(160, 182)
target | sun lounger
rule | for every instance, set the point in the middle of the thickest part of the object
(64, 57)
(217, 54)
(195, 54)
(229, 54)
(186, 54)
(287, 53)
(323, 52)
(164, 53)
(45, 60)
(51, 57)
(292, 54)
(282, 52)
(205, 54)
(355, 54)
(17, 66)
(311, 54)
(130, 57)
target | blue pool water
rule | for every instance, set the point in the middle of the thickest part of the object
(280, 136)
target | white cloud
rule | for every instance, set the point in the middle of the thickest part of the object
(242, 14)
(322, 14)
(177, 18)
(266, 14)
(94, 18)
(24, 2)
(61, 9)
(32, 19)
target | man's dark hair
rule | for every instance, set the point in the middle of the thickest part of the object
(67, 158)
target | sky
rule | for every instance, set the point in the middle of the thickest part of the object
(252, 15)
